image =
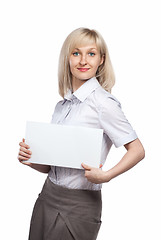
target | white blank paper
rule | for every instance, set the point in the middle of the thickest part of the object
(64, 146)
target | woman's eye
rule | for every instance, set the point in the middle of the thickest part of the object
(92, 54)
(76, 53)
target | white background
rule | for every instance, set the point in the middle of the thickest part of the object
(31, 35)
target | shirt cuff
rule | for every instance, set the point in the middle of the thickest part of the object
(126, 139)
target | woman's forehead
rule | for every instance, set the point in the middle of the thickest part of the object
(86, 47)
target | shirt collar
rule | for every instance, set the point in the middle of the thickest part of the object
(83, 91)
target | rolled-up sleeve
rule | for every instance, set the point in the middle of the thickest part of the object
(114, 122)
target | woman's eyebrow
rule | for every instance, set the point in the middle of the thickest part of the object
(93, 49)
(87, 49)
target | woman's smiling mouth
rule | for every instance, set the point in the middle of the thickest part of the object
(83, 69)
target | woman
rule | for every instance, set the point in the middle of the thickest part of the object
(69, 206)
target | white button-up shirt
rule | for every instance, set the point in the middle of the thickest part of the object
(91, 106)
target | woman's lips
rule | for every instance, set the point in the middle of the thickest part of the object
(83, 69)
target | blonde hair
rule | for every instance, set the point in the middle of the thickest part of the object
(78, 38)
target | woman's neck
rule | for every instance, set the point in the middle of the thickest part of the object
(77, 83)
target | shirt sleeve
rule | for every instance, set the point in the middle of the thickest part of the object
(57, 112)
(114, 123)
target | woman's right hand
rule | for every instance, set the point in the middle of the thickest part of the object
(24, 153)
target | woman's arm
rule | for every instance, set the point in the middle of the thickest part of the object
(135, 153)
(41, 168)
(25, 154)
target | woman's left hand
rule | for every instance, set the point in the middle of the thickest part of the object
(95, 175)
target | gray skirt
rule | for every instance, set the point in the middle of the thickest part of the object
(66, 214)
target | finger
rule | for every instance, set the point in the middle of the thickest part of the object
(23, 154)
(23, 149)
(86, 167)
(21, 158)
(23, 144)
(87, 173)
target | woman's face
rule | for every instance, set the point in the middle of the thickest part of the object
(84, 62)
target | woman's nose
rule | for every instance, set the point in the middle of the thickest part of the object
(83, 60)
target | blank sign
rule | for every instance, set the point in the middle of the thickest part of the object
(64, 146)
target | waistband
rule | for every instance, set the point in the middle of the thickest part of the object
(72, 201)
(52, 189)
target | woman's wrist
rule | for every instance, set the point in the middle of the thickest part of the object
(108, 176)
(41, 168)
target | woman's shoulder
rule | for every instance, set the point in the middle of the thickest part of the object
(105, 98)
(58, 105)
